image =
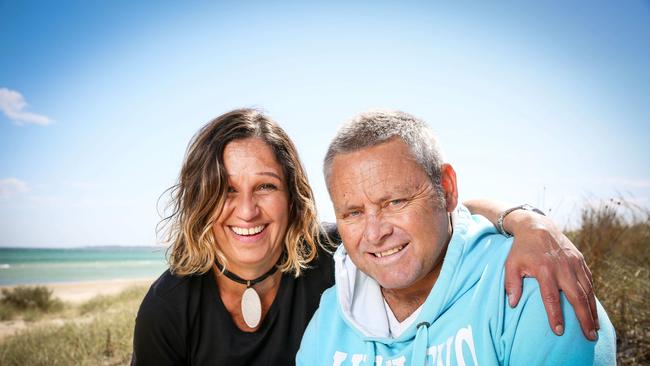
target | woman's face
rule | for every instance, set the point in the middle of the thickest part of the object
(250, 230)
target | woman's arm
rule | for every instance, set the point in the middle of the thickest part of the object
(542, 251)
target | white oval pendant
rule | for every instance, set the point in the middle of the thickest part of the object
(251, 307)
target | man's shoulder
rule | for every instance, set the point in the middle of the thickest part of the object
(328, 309)
(478, 236)
(526, 328)
(329, 300)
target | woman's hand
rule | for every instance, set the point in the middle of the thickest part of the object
(542, 251)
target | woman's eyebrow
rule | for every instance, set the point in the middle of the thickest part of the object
(270, 174)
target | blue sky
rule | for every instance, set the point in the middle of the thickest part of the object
(538, 102)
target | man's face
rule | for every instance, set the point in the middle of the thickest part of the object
(387, 213)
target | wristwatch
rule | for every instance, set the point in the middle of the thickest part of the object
(505, 213)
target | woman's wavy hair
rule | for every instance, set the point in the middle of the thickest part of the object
(198, 198)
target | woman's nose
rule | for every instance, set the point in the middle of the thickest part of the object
(247, 208)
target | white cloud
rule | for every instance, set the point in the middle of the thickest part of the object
(12, 186)
(13, 105)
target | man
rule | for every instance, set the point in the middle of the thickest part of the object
(418, 279)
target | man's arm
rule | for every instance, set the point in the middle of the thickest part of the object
(542, 251)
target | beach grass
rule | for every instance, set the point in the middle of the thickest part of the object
(97, 332)
(615, 240)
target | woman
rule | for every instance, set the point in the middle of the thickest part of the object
(246, 263)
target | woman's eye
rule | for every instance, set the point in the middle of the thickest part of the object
(267, 187)
(230, 189)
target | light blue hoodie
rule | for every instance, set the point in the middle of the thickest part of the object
(465, 320)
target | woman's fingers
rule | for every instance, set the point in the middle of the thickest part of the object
(513, 283)
(584, 304)
(550, 293)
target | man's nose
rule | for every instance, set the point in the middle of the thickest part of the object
(247, 208)
(377, 229)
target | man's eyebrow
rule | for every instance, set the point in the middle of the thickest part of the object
(347, 207)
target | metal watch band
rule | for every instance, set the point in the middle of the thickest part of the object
(505, 213)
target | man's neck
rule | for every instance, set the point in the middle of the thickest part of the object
(403, 302)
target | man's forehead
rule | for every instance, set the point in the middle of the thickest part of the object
(374, 178)
(369, 162)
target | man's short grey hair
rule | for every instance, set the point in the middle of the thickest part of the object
(378, 126)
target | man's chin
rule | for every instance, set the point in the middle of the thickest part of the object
(391, 284)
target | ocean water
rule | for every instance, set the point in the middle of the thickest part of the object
(31, 266)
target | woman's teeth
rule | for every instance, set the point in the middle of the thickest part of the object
(249, 231)
(389, 251)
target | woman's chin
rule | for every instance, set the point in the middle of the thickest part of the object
(254, 261)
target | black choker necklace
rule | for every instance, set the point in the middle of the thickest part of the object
(251, 305)
(248, 283)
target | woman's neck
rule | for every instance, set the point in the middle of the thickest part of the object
(231, 295)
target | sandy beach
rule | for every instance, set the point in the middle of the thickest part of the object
(78, 292)
(75, 293)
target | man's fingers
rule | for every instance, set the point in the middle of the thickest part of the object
(513, 284)
(551, 297)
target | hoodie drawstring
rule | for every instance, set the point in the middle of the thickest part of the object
(370, 353)
(419, 355)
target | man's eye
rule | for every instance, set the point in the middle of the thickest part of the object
(355, 213)
(396, 202)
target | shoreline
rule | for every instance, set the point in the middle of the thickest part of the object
(79, 291)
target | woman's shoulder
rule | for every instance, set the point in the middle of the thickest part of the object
(172, 289)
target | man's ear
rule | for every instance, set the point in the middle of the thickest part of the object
(448, 182)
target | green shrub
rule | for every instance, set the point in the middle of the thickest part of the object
(7, 312)
(30, 298)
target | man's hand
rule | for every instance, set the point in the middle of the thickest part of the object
(542, 251)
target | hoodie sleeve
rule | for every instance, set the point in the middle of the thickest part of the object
(530, 341)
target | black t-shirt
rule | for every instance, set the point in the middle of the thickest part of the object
(182, 321)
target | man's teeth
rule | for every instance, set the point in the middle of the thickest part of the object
(389, 251)
(249, 231)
